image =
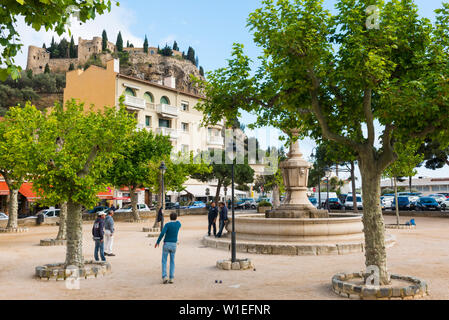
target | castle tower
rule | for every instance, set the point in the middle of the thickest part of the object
(37, 59)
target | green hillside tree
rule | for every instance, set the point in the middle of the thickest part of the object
(145, 45)
(104, 41)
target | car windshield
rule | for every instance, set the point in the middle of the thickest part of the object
(428, 200)
(127, 206)
(333, 200)
(359, 199)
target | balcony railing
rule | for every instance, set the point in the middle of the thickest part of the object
(215, 140)
(150, 105)
(173, 133)
(134, 102)
(168, 110)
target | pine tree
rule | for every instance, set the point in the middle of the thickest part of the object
(175, 46)
(202, 71)
(191, 55)
(73, 50)
(47, 68)
(104, 41)
(145, 45)
(119, 42)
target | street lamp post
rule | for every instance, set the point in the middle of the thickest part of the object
(233, 240)
(163, 169)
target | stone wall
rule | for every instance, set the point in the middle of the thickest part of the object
(37, 59)
(61, 65)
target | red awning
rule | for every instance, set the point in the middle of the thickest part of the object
(122, 198)
(4, 190)
(27, 190)
(127, 189)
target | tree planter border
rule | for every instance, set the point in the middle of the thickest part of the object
(240, 264)
(52, 242)
(14, 230)
(342, 287)
(146, 229)
(57, 271)
(401, 226)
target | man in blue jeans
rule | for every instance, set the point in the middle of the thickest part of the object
(98, 233)
(223, 219)
(170, 231)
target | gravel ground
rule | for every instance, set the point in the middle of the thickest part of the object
(136, 270)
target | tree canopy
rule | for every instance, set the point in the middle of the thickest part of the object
(335, 76)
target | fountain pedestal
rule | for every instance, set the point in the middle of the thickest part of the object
(295, 173)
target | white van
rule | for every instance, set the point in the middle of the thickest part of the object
(324, 196)
(349, 203)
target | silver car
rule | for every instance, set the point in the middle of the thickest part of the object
(3, 216)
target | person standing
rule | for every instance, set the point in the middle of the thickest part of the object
(223, 219)
(109, 234)
(212, 218)
(170, 231)
(98, 236)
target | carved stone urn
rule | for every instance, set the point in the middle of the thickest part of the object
(295, 172)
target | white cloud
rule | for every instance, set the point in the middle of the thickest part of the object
(119, 19)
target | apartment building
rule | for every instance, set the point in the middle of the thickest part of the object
(159, 107)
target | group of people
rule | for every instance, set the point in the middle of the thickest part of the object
(222, 213)
(103, 235)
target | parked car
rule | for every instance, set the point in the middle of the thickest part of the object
(404, 203)
(313, 201)
(264, 199)
(446, 194)
(171, 205)
(98, 209)
(128, 208)
(349, 204)
(438, 197)
(3, 216)
(445, 204)
(197, 204)
(246, 203)
(386, 201)
(48, 213)
(334, 204)
(427, 203)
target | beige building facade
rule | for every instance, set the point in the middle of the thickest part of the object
(160, 108)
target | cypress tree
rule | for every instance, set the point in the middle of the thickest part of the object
(73, 51)
(197, 61)
(44, 46)
(104, 41)
(175, 46)
(202, 71)
(47, 68)
(127, 44)
(119, 42)
(145, 45)
(191, 55)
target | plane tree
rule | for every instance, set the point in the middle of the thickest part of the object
(361, 78)
(77, 147)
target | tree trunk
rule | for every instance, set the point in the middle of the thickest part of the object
(410, 183)
(354, 191)
(373, 222)
(74, 253)
(135, 212)
(276, 200)
(13, 207)
(217, 193)
(62, 233)
(396, 199)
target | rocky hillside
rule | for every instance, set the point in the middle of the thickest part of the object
(156, 67)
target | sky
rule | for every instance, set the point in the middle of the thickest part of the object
(210, 27)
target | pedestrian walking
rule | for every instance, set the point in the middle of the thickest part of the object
(109, 234)
(212, 218)
(223, 218)
(98, 236)
(170, 235)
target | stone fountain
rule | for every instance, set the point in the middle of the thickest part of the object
(296, 227)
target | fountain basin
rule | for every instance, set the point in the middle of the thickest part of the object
(338, 227)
